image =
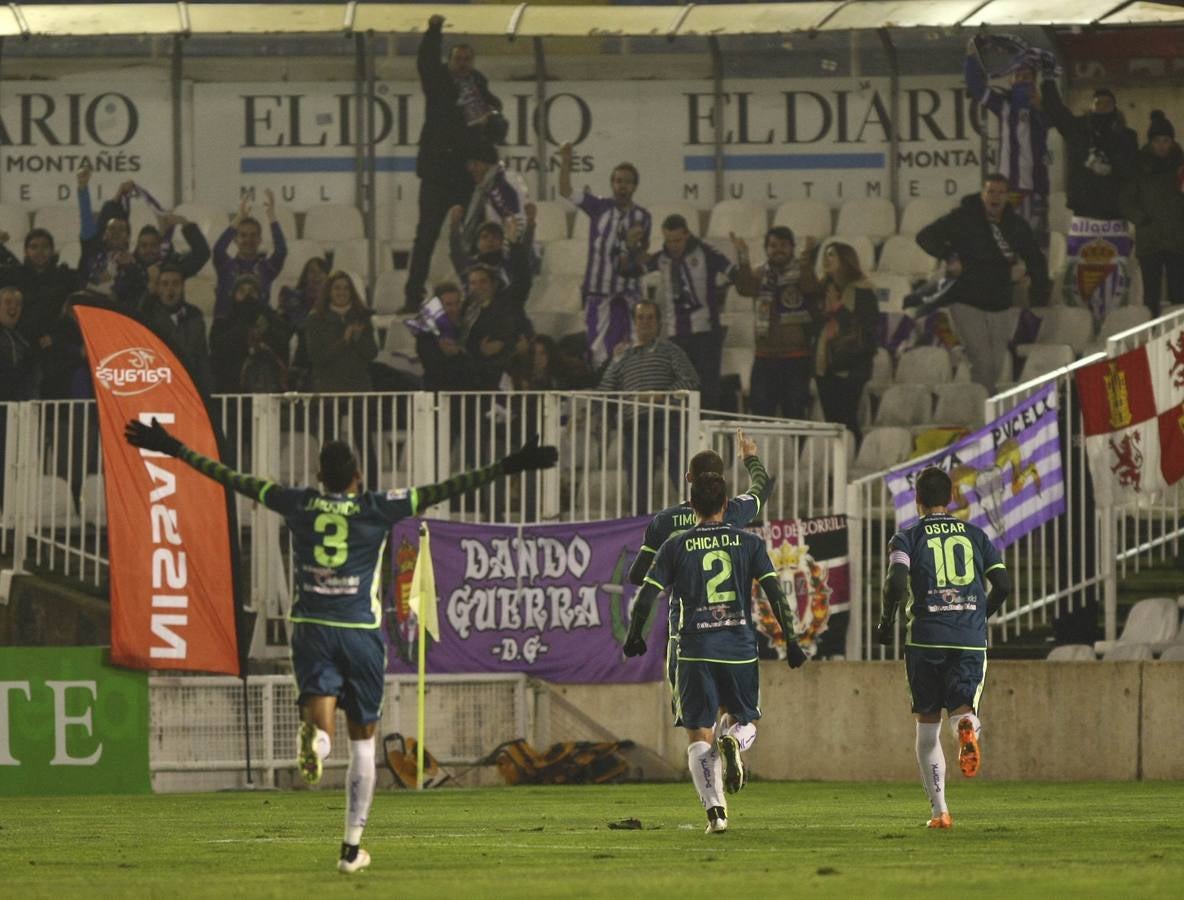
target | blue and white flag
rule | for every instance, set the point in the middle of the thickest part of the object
(433, 320)
(1007, 475)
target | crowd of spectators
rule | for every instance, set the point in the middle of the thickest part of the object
(653, 310)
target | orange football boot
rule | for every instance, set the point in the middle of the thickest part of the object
(942, 821)
(968, 751)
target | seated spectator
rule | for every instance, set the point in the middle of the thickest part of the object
(107, 267)
(508, 250)
(44, 285)
(177, 322)
(249, 345)
(495, 327)
(690, 296)
(651, 365)
(247, 235)
(295, 303)
(439, 344)
(1154, 204)
(498, 196)
(18, 362)
(154, 246)
(847, 342)
(341, 339)
(787, 317)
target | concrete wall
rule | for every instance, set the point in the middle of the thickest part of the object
(851, 721)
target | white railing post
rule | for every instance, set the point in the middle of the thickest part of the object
(425, 427)
(552, 434)
(1106, 523)
(855, 648)
(268, 585)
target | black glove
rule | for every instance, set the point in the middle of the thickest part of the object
(883, 632)
(794, 654)
(634, 646)
(530, 457)
(151, 438)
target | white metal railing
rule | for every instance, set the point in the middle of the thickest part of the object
(1062, 564)
(196, 722)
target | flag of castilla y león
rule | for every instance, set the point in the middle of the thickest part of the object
(171, 581)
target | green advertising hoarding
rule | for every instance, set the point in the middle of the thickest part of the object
(70, 724)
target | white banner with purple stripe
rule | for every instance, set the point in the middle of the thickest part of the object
(1007, 476)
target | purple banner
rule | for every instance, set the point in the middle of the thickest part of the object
(552, 601)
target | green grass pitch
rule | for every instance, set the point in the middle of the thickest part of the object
(785, 839)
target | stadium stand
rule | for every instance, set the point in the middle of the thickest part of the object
(566, 257)
(1128, 653)
(60, 221)
(1117, 321)
(202, 293)
(1058, 253)
(209, 217)
(1058, 212)
(901, 255)
(923, 365)
(551, 221)
(332, 223)
(881, 449)
(555, 293)
(354, 255)
(388, 291)
(959, 404)
(1040, 359)
(91, 500)
(54, 500)
(747, 220)
(923, 210)
(905, 405)
(891, 289)
(14, 220)
(1174, 653)
(1072, 325)
(738, 361)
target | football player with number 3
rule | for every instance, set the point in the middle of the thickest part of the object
(942, 565)
(709, 570)
(337, 652)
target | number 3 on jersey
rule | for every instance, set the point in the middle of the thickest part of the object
(334, 548)
(946, 563)
(714, 595)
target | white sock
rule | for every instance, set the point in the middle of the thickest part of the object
(931, 762)
(744, 734)
(707, 773)
(321, 745)
(956, 719)
(359, 788)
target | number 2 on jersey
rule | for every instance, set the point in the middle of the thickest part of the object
(714, 595)
(945, 560)
(334, 547)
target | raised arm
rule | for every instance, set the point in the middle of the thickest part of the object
(530, 457)
(156, 437)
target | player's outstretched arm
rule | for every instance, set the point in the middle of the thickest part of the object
(895, 587)
(641, 565)
(759, 483)
(642, 607)
(771, 585)
(1000, 590)
(528, 458)
(157, 437)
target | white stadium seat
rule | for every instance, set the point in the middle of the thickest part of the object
(905, 405)
(210, 218)
(922, 211)
(396, 223)
(92, 500)
(959, 404)
(1152, 621)
(1058, 253)
(924, 365)
(1042, 359)
(739, 217)
(738, 361)
(873, 216)
(299, 253)
(1058, 212)
(805, 218)
(1128, 653)
(901, 255)
(1072, 325)
(355, 256)
(555, 293)
(388, 292)
(568, 257)
(333, 222)
(881, 449)
(1173, 653)
(1072, 653)
(891, 289)
(202, 293)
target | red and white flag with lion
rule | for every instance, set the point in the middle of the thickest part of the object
(1133, 412)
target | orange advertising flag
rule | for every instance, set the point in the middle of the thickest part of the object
(171, 573)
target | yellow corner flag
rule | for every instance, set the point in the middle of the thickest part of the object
(423, 587)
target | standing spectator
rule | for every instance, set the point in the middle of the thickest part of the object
(107, 267)
(438, 342)
(506, 250)
(458, 108)
(1100, 151)
(249, 345)
(177, 322)
(1155, 206)
(652, 365)
(494, 327)
(44, 284)
(611, 286)
(247, 235)
(847, 343)
(152, 248)
(341, 340)
(1023, 127)
(787, 317)
(986, 247)
(18, 361)
(1100, 155)
(295, 303)
(690, 297)
(497, 195)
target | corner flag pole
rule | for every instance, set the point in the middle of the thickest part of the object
(422, 601)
